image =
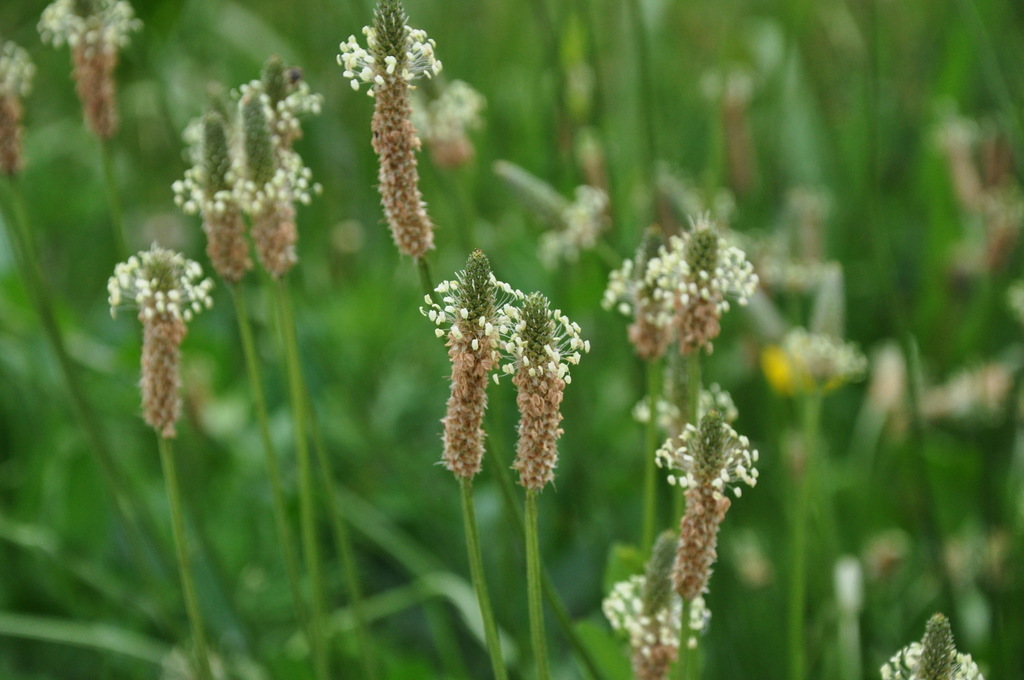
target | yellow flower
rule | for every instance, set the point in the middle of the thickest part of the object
(807, 362)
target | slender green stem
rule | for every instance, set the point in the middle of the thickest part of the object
(280, 508)
(425, 280)
(318, 640)
(476, 569)
(651, 445)
(131, 512)
(645, 97)
(693, 385)
(188, 586)
(810, 408)
(105, 639)
(343, 544)
(550, 594)
(113, 199)
(684, 668)
(533, 570)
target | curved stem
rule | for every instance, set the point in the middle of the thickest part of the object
(113, 200)
(533, 570)
(318, 639)
(476, 569)
(651, 445)
(188, 586)
(280, 508)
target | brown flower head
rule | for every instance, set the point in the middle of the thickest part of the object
(95, 30)
(167, 290)
(16, 71)
(542, 344)
(471, 317)
(395, 56)
(710, 459)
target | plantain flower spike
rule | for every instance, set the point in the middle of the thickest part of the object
(707, 461)
(208, 189)
(95, 30)
(275, 177)
(167, 290)
(471, 318)
(630, 293)
(649, 612)
(542, 345)
(934, 658)
(16, 72)
(395, 55)
(693, 277)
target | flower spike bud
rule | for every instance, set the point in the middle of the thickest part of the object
(95, 30)
(470, 316)
(444, 123)
(168, 290)
(829, 314)
(16, 72)
(934, 658)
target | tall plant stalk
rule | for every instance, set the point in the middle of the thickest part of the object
(343, 544)
(297, 392)
(810, 411)
(533, 582)
(280, 508)
(476, 568)
(188, 586)
(113, 199)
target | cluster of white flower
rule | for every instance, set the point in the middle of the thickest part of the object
(160, 282)
(16, 70)
(822, 360)
(675, 282)
(108, 27)
(367, 65)
(737, 459)
(455, 110)
(452, 316)
(904, 665)
(624, 609)
(712, 398)
(563, 349)
(582, 222)
(291, 179)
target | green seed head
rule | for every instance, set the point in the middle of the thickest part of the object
(275, 79)
(538, 329)
(657, 593)
(711, 453)
(259, 150)
(702, 249)
(389, 21)
(938, 654)
(216, 157)
(477, 293)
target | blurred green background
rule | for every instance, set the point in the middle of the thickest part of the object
(846, 98)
